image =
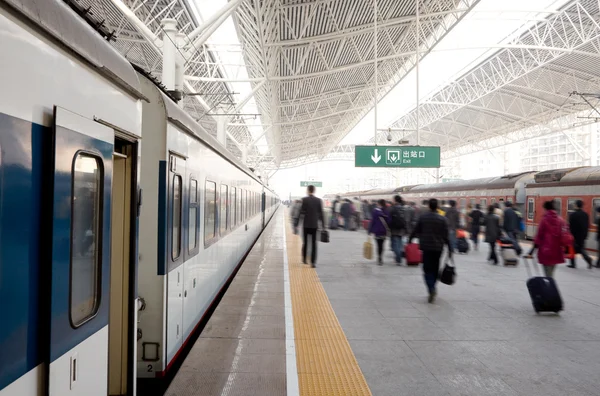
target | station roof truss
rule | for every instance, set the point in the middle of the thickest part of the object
(311, 65)
(318, 60)
(528, 89)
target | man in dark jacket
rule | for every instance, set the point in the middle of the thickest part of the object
(453, 218)
(312, 212)
(579, 223)
(398, 227)
(432, 231)
(511, 226)
(346, 212)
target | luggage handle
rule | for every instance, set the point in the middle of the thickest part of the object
(533, 264)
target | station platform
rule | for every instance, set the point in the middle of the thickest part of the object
(351, 327)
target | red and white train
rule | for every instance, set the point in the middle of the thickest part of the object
(527, 191)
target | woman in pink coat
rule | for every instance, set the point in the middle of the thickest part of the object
(548, 240)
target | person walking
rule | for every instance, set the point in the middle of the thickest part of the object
(579, 225)
(296, 214)
(511, 226)
(346, 212)
(548, 240)
(432, 231)
(492, 232)
(365, 210)
(379, 227)
(476, 217)
(398, 226)
(311, 211)
(453, 218)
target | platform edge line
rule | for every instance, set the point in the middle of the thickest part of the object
(292, 384)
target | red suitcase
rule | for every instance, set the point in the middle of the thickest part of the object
(414, 256)
(366, 223)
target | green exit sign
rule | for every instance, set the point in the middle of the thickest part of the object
(396, 157)
(311, 183)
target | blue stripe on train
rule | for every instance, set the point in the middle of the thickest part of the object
(22, 171)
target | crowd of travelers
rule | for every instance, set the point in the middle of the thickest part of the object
(440, 225)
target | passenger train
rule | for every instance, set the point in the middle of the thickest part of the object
(527, 191)
(121, 219)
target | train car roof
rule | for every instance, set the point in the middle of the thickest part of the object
(65, 26)
(493, 183)
(585, 174)
(186, 122)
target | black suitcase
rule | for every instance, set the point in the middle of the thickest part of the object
(544, 293)
(462, 245)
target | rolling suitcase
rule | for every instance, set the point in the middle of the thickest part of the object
(508, 254)
(333, 223)
(414, 256)
(543, 291)
(462, 245)
(366, 223)
(352, 226)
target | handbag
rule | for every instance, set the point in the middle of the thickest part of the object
(324, 236)
(368, 249)
(387, 228)
(448, 274)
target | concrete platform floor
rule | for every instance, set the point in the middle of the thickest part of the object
(481, 337)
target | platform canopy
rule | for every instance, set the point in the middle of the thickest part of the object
(310, 68)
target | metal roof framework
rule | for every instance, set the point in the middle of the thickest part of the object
(311, 65)
(310, 62)
(521, 92)
(318, 60)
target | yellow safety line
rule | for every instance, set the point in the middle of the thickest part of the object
(326, 363)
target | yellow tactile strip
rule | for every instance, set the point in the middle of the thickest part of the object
(326, 364)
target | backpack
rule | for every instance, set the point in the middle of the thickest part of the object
(398, 221)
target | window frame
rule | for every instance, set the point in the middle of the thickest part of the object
(595, 216)
(232, 207)
(483, 203)
(194, 205)
(223, 231)
(569, 199)
(559, 200)
(531, 212)
(99, 242)
(215, 235)
(171, 212)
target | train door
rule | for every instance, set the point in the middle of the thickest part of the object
(531, 227)
(175, 277)
(80, 268)
(122, 310)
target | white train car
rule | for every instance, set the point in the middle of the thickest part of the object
(208, 208)
(70, 126)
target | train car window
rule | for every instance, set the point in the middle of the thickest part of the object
(483, 203)
(194, 224)
(509, 199)
(595, 206)
(462, 203)
(558, 205)
(176, 215)
(530, 208)
(210, 210)
(493, 201)
(472, 201)
(86, 228)
(232, 207)
(572, 204)
(239, 214)
(223, 215)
